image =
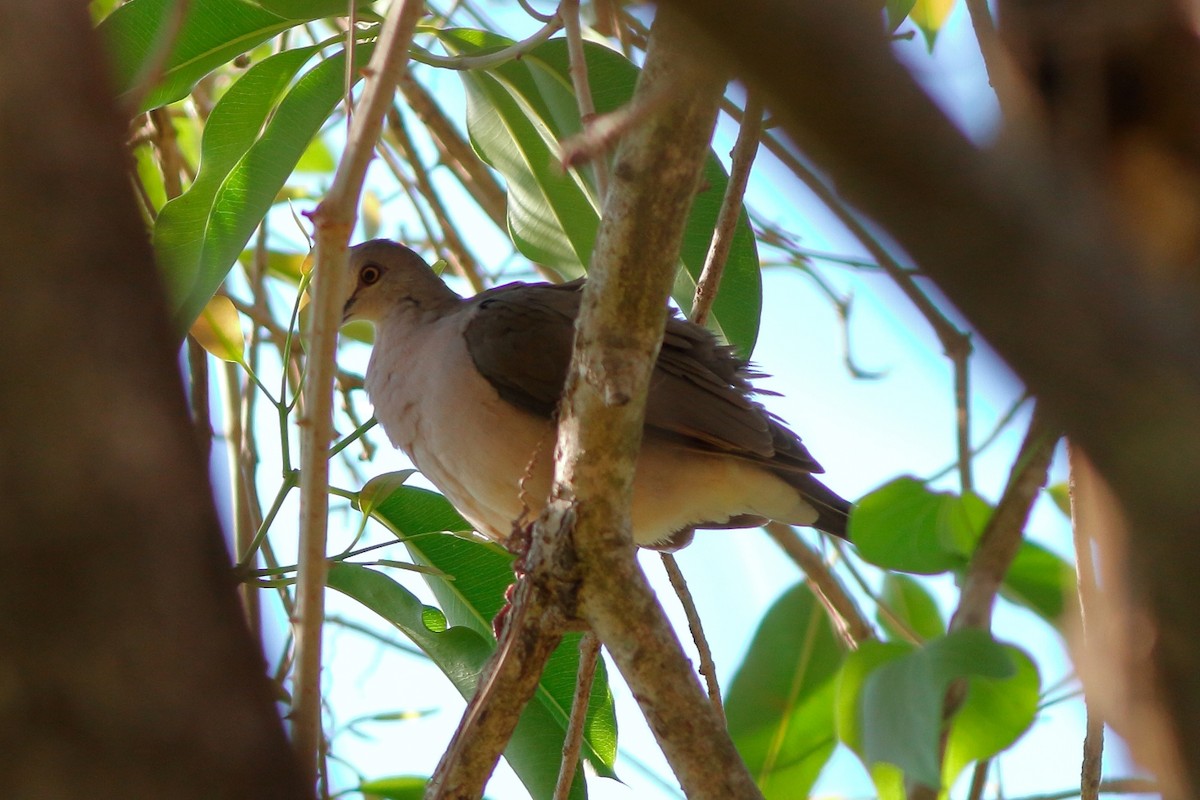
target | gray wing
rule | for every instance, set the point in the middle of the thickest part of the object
(520, 337)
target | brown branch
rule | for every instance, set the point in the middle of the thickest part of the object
(589, 653)
(741, 159)
(1005, 529)
(456, 153)
(334, 219)
(532, 630)
(129, 671)
(708, 667)
(463, 262)
(618, 335)
(843, 611)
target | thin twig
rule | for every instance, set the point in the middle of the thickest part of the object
(568, 10)
(490, 60)
(589, 652)
(845, 613)
(956, 343)
(1110, 786)
(708, 667)
(334, 219)
(456, 153)
(1086, 587)
(979, 779)
(741, 159)
(463, 262)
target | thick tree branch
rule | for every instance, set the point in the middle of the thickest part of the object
(618, 334)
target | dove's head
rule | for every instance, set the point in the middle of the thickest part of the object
(386, 276)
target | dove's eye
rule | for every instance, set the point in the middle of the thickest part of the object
(370, 274)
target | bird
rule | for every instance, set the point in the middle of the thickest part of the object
(469, 388)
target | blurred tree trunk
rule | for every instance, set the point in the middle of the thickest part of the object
(126, 669)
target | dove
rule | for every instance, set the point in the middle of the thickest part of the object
(468, 388)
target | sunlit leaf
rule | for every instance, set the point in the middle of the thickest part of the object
(897, 12)
(913, 604)
(254, 136)
(517, 116)
(381, 487)
(218, 329)
(1040, 580)
(929, 16)
(997, 710)
(905, 525)
(902, 700)
(397, 788)
(780, 705)
(213, 32)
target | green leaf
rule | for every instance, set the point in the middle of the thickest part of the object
(906, 526)
(213, 32)
(1040, 580)
(218, 329)
(930, 16)
(897, 12)
(780, 705)
(400, 787)
(996, 712)
(902, 700)
(1060, 493)
(518, 113)
(255, 135)
(481, 573)
(461, 653)
(913, 604)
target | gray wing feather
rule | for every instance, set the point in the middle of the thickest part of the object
(520, 338)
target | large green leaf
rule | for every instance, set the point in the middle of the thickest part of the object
(461, 653)
(519, 112)
(780, 704)
(212, 33)
(905, 525)
(913, 605)
(891, 697)
(1041, 581)
(888, 779)
(480, 572)
(994, 715)
(254, 137)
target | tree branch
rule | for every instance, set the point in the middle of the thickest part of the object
(334, 219)
(617, 336)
